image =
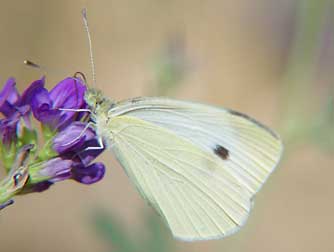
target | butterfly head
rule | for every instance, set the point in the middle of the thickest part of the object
(97, 102)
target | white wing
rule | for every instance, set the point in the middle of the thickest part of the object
(192, 189)
(199, 166)
(249, 150)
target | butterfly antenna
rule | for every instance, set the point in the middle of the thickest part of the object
(85, 20)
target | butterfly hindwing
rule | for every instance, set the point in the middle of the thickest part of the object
(191, 187)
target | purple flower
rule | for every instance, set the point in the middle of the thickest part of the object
(73, 138)
(67, 150)
(13, 107)
(12, 104)
(88, 174)
(71, 144)
(68, 94)
(8, 98)
(8, 130)
(59, 169)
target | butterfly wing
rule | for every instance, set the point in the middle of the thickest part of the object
(191, 188)
(248, 150)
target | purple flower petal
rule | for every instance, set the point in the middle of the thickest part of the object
(7, 109)
(69, 93)
(72, 137)
(41, 105)
(90, 174)
(9, 92)
(8, 97)
(39, 187)
(57, 169)
(31, 91)
(42, 186)
(12, 95)
(8, 130)
(23, 110)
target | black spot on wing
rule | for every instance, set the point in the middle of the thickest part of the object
(222, 152)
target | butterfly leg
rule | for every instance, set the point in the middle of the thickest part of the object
(80, 135)
(75, 110)
(100, 147)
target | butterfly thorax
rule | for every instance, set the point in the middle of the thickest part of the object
(98, 103)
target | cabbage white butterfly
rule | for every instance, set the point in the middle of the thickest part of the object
(199, 166)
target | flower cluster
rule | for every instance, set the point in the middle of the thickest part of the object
(59, 150)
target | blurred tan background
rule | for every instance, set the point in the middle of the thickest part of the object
(273, 60)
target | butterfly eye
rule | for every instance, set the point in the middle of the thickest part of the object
(99, 102)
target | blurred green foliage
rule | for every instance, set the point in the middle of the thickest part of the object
(304, 120)
(150, 238)
(171, 66)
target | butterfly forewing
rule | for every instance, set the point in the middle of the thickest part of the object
(249, 150)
